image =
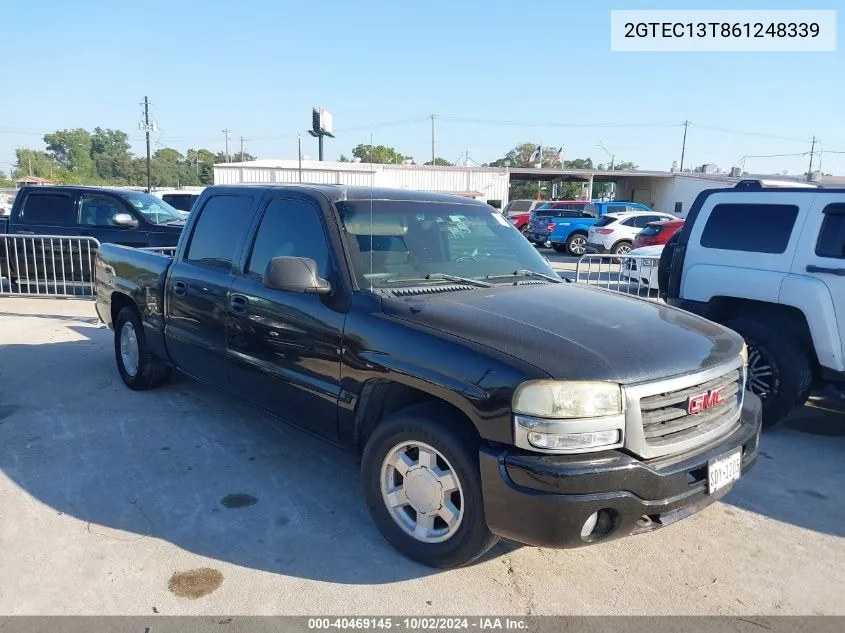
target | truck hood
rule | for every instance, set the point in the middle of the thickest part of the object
(575, 332)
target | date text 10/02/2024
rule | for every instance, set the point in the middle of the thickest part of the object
(418, 623)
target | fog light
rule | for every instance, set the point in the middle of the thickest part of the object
(573, 441)
(589, 525)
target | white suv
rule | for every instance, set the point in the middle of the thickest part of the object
(769, 263)
(615, 232)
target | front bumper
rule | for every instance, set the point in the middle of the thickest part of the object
(544, 500)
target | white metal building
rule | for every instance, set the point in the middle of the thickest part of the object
(487, 184)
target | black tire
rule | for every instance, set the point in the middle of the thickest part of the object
(437, 426)
(576, 244)
(559, 248)
(791, 369)
(524, 231)
(151, 371)
(621, 248)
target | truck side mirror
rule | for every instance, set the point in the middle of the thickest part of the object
(124, 220)
(295, 274)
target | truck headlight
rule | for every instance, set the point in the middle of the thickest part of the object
(556, 399)
(568, 417)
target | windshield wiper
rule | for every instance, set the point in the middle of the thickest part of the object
(443, 277)
(527, 273)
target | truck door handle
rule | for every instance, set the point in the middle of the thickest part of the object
(238, 304)
(830, 271)
(179, 288)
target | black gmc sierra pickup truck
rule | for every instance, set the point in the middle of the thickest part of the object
(488, 397)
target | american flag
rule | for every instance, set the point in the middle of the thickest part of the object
(558, 155)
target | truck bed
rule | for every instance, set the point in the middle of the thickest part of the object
(139, 273)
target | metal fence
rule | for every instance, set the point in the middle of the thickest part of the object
(47, 266)
(630, 274)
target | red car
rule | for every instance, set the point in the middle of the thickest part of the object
(656, 233)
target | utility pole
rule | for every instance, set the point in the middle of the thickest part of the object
(228, 158)
(812, 152)
(147, 128)
(432, 140)
(299, 154)
(684, 145)
(242, 148)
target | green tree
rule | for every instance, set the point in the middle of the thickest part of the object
(441, 162)
(379, 154)
(71, 149)
(242, 158)
(32, 162)
(5, 182)
(203, 161)
(111, 155)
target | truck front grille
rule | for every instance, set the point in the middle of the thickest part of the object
(666, 418)
(678, 414)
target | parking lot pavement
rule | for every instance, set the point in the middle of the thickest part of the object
(106, 494)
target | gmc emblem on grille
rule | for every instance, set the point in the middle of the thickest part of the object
(704, 401)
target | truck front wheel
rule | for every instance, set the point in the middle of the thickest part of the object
(779, 369)
(138, 368)
(423, 489)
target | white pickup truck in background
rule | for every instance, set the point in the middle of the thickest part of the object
(770, 264)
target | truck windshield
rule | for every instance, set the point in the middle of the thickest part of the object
(153, 209)
(391, 241)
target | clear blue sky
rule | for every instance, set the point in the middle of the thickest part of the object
(258, 67)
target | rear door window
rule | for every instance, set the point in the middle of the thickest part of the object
(519, 206)
(219, 230)
(49, 209)
(179, 201)
(831, 241)
(752, 228)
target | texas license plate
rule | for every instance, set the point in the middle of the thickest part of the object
(723, 470)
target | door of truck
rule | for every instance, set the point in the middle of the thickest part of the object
(285, 346)
(198, 284)
(96, 213)
(821, 255)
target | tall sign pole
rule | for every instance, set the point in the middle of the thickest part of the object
(321, 126)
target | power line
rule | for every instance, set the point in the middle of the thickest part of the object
(746, 133)
(552, 125)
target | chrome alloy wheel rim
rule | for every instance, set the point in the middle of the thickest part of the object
(760, 374)
(578, 245)
(421, 492)
(129, 348)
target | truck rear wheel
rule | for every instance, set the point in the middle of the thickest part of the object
(138, 368)
(576, 244)
(422, 485)
(779, 369)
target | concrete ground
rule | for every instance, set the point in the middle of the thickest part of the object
(108, 496)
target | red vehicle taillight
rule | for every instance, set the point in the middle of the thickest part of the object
(550, 227)
(604, 231)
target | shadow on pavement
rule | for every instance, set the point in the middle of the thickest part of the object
(185, 464)
(799, 474)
